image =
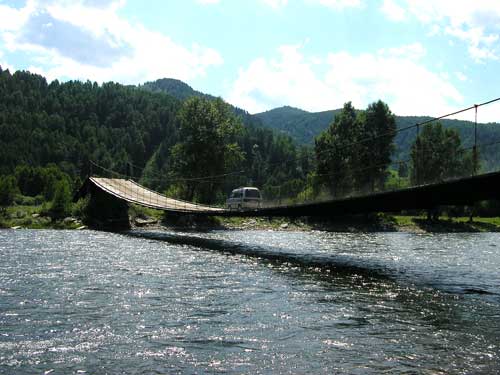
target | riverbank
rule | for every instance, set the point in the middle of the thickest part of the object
(371, 223)
(353, 224)
(33, 217)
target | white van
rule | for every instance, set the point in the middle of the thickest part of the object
(244, 197)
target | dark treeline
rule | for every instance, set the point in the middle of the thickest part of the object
(128, 130)
(354, 154)
(70, 123)
(305, 126)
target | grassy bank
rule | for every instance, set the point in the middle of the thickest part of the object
(447, 225)
(36, 217)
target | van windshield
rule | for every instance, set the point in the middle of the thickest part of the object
(253, 193)
(236, 194)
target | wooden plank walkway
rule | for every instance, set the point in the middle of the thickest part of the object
(132, 192)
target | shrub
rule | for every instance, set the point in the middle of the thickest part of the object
(8, 189)
(80, 208)
(61, 203)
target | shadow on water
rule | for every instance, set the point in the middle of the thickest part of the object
(321, 267)
(271, 254)
(327, 265)
(372, 283)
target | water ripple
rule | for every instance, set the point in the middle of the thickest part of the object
(248, 302)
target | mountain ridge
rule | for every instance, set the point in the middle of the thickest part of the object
(182, 91)
(303, 126)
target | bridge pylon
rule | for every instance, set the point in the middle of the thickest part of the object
(104, 211)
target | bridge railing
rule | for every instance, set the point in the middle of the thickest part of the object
(125, 186)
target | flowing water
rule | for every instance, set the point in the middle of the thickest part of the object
(255, 302)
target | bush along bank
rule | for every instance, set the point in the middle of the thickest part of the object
(41, 216)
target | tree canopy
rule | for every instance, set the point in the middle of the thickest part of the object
(134, 131)
(207, 147)
(437, 154)
(8, 189)
(353, 154)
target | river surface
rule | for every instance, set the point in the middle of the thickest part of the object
(252, 302)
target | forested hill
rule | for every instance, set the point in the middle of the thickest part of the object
(183, 91)
(67, 124)
(175, 88)
(304, 126)
(301, 125)
(70, 123)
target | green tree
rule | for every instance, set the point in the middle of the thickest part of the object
(8, 189)
(335, 155)
(437, 154)
(30, 180)
(61, 203)
(377, 132)
(207, 147)
(353, 154)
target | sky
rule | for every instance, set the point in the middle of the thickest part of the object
(422, 57)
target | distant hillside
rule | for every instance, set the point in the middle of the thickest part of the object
(486, 134)
(304, 126)
(175, 88)
(183, 91)
(301, 125)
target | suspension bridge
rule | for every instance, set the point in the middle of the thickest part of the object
(461, 191)
(458, 190)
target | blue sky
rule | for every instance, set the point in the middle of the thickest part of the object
(421, 57)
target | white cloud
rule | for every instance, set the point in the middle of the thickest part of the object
(4, 65)
(481, 46)
(287, 80)
(393, 10)
(338, 4)
(412, 51)
(13, 19)
(461, 76)
(87, 39)
(390, 75)
(477, 23)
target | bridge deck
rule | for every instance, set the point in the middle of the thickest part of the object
(462, 191)
(132, 192)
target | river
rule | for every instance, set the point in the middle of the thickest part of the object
(253, 302)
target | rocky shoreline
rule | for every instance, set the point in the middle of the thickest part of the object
(353, 224)
(373, 223)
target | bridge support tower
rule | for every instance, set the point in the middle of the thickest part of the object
(106, 212)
